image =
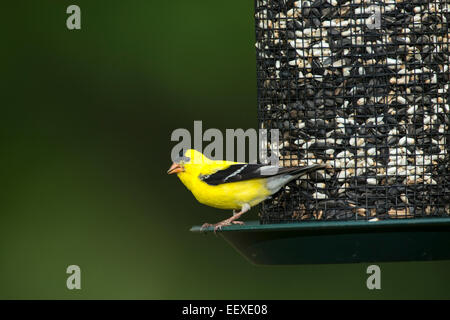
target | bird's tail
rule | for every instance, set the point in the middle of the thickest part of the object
(300, 171)
(286, 175)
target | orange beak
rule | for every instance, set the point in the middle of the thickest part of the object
(175, 168)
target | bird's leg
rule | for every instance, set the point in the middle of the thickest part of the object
(234, 221)
(236, 215)
(229, 221)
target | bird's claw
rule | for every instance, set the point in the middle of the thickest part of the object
(205, 225)
(218, 226)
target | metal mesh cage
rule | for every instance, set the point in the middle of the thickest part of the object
(362, 86)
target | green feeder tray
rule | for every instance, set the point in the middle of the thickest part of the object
(419, 239)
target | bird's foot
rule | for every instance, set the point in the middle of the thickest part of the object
(227, 222)
(219, 225)
(206, 225)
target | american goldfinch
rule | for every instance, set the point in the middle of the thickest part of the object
(230, 185)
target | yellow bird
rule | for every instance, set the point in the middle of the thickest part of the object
(230, 185)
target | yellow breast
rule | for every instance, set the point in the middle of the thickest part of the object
(228, 195)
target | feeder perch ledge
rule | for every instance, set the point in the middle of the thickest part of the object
(327, 242)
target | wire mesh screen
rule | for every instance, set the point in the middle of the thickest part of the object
(362, 86)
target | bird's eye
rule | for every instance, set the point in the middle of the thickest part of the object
(182, 158)
(185, 159)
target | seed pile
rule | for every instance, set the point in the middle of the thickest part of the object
(362, 86)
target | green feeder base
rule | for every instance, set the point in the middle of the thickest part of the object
(321, 242)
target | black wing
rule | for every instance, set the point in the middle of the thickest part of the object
(247, 171)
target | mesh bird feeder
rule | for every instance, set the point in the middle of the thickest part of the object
(363, 87)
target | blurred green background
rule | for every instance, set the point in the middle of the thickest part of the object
(86, 123)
